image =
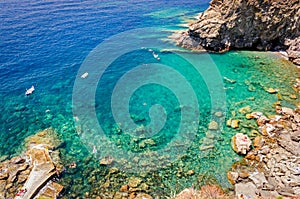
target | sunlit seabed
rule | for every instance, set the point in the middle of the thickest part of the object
(51, 106)
(253, 72)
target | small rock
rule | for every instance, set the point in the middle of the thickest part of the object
(204, 148)
(209, 135)
(232, 177)
(269, 194)
(258, 142)
(245, 110)
(258, 178)
(245, 189)
(124, 188)
(213, 125)
(249, 116)
(143, 196)
(8, 186)
(190, 172)
(262, 120)
(287, 111)
(271, 90)
(228, 122)
(118, 195)
(144, 187)
(295, 136)
(108, 160)
(187, 194)
(113, 170)
(235, 124)
(279, 96)
(218, 114)
(134, 182)
(3, 175)
(241, 143)
(293, 96)
(18, 160)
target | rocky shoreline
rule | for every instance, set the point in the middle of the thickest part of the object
(32, 174)
(242, 24)
(272, 168)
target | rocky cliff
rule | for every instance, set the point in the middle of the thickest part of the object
(246, 24)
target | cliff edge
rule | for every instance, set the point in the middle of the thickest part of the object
(246, 24)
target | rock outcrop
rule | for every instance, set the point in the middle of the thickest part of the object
(272, 168)
(30, 174)
(246, 24)
(241, 143)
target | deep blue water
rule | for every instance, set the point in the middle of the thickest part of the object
(43, 43)
(48, 44)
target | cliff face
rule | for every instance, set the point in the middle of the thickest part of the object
(247, 24)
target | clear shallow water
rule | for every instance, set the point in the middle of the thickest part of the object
(44, 43)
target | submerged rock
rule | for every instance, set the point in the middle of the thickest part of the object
(107, 160)
(213, 125)
(134, 182)
(271, 90)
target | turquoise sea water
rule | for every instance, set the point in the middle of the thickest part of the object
(45, 44)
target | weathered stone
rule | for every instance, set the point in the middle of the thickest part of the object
(3, 175)
(228, 122)
(124, 188)
(295, 136)
(22, 178)
(262, 120)
(240, 143)
(234, 124)
(2, 185)
(51, 191)
(258, 142)
(245, 189)
(218, 114)
(287, 111)
(134, 182)
(143, 196)
(244, 174)
(213, 125)
(232, 177)
(245, 110)
(249, 116)
(22, 167)
(258, 25)
(269, 194)
(258, 178)
(271, 90)
(204, 147)
(107, 160)
(190, 172)
(17, 160)
(187, 194)
(113, 170)
(291, 146)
